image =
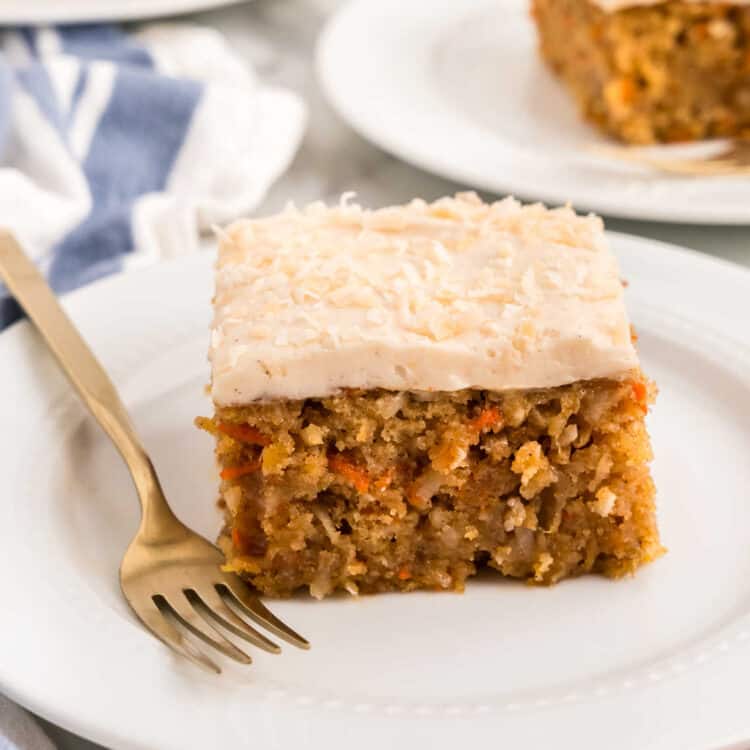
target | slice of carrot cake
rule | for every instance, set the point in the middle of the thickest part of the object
(404, 396)
(647, 71)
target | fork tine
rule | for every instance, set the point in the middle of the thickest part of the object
(251, 605)
(213, 603)
(183, 610)
(152, 617)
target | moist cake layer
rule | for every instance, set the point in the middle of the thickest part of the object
(430, 297)
(376, 490)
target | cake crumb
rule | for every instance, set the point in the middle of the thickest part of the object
(515, 515)
(542, 565)
(605, 501)
(275, 458)
(312, 435)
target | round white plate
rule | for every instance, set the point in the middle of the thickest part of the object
(458, 88)
(86, 11)
(656, 662)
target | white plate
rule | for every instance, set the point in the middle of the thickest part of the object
(85, 11)
(458, 88)
(657, 662)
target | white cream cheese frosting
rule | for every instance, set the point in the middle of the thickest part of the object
(611, 6)
(425, 297)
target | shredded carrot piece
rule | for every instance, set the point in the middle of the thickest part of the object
(404, 574)
(625, 90)
(340, 464)
(243, 432)
(413, 498)
(238, 539)
(240, 470)
(640, 393)
(488, 418)
(249, 541)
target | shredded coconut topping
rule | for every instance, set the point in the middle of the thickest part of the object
(412, 297)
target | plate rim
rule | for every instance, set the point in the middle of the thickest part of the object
(134, 10)
(101, 732)
(330, 54)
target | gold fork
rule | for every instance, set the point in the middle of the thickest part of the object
(731, 159)
(169, 575)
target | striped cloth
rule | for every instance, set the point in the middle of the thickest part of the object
(119, 149)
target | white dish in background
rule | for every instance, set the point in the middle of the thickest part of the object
(459, 89)
(87, 11)
(656, 662)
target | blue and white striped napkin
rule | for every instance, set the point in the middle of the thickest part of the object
(117, 150)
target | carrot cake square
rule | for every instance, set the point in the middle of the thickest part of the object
(406, 395)
(649, 71)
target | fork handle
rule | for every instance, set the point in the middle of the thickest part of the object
(78, 363)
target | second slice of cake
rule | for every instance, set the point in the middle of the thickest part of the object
(649, 71)
(404, 396)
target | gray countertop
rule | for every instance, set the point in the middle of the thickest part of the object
(278, 37)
